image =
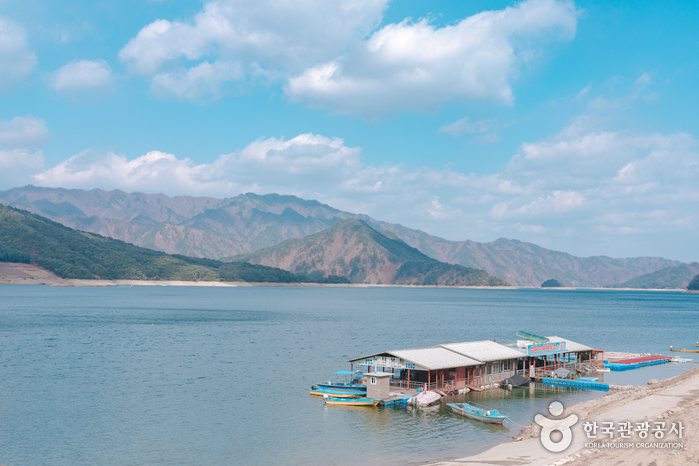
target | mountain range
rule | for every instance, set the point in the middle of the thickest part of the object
(220, 228)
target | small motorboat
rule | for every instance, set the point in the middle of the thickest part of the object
(343, 387)
(315, 391)
(684, 350)
(477, 414)
(425, 398)
(349, 386)
(682, 360)
(351, 402)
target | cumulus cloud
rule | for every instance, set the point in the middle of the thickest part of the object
(16, 61)
(418, 66)
(332, 55)
(19, 154)
(301, 164)
(81, 75)
(260, 37)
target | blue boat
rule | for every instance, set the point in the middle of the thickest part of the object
(350, 386)
(477, 414)
(316, 391)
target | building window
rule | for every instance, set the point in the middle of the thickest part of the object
(373, 381)
(505, 365)
(496, 367)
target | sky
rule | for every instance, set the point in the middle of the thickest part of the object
(571, 125)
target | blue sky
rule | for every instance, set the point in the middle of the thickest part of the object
(570, 125)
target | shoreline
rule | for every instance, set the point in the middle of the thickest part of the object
(29, 274)
(84, 283)
(673, 399)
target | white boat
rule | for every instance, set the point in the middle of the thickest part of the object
(681, 360)
(425, 398)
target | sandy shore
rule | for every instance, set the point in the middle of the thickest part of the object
(28, 274)
(671, 401)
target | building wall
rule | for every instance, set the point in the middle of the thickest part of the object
(381, 389)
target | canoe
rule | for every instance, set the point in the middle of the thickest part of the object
(343, 387)
(336, 394)
(351, 402)
(684, 350)
(477, 414)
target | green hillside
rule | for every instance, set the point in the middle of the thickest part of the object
(667, 278)
(552, 283)
(694, 284)
(26, 237)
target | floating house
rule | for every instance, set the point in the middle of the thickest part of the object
(478, 364)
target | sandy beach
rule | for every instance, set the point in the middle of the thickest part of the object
(675, 400)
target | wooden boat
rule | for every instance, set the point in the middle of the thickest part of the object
(335, 393)
(684, 350)
(351, 402)
(477, 414)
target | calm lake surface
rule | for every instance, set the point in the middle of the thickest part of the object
(179, 375)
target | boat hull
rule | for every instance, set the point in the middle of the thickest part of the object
(351, 402)
(685, 350)
(473, 414)
(344, 388)
(332, 394)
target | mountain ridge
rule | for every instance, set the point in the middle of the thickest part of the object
(217, 228)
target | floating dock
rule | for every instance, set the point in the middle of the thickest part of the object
(576, 384)
(635, 363)
(586, 384)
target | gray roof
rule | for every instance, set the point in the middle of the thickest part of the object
(571, 346)
(435, 358)
(485, 350)
(432, 358)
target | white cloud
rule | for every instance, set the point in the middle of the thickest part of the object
(81, 75)
(19, 156)
(258, 37)
(583, 92)
(197, 83)
(417, 66)
(302, 164)
(16, 61)
(22, 132)
(462, 126)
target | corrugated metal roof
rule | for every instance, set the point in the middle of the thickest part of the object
(571, 346)
(485, 350)
(435, 358)
(369, 356)
(432, 358)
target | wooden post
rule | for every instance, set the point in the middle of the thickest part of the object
(408, 378)
(352, 367)
(429, 373)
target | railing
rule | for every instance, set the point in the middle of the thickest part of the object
(405, 385)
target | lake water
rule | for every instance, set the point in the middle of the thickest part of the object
(178, 375)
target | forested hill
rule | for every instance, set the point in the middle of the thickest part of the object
(350, 248)
(668, 278)
(26, 237)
